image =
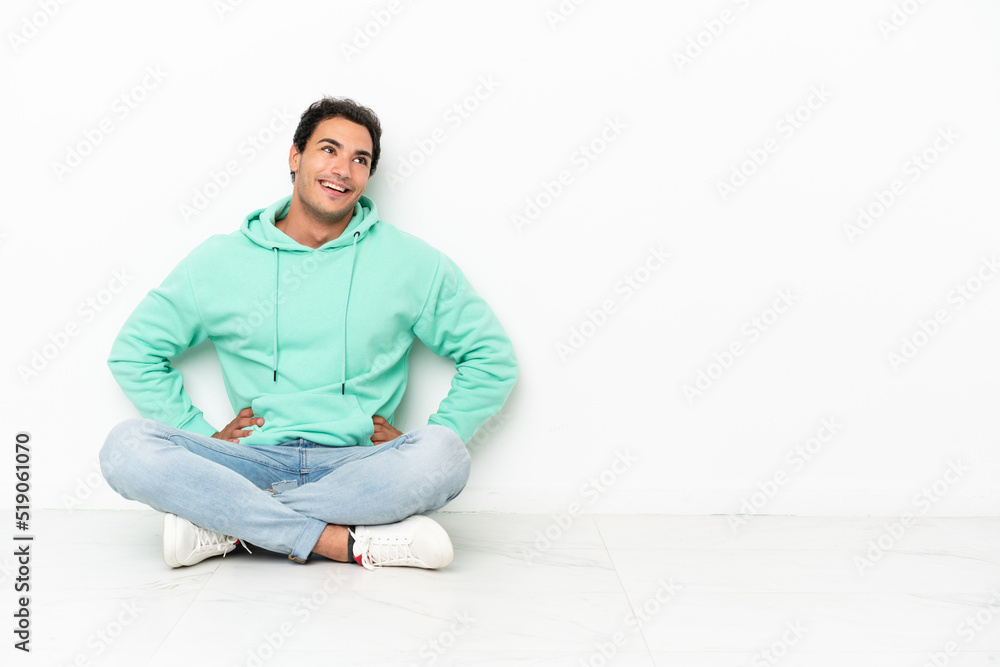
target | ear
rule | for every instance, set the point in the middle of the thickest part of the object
(293, 159)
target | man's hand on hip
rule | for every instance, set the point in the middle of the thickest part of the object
(236, 428)
(384, 431)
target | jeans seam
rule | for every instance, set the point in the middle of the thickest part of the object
(236, 455)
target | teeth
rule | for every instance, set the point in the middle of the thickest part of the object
(326, 184)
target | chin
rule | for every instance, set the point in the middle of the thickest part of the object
(332, 217)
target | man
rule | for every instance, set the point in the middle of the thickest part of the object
(312, 306)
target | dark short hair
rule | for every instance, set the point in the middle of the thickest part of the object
(338, 107)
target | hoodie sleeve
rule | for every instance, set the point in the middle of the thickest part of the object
(164, 324)
(456, 322)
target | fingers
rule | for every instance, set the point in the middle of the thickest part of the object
(238, 428)
(387, 429)
(232, 432)
(384, 431)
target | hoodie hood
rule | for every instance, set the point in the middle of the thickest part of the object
(259, 228)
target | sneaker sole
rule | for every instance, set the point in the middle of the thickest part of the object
(170, 540)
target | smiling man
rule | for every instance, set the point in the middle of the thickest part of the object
(313, 306)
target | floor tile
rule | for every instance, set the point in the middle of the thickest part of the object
(631, 590)
(802, 571)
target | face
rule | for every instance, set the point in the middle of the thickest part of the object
(332, 172)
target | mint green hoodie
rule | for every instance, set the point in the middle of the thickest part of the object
(316, 341)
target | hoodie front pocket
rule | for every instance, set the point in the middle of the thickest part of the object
(324, 417)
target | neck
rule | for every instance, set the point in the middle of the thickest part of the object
(305, 228)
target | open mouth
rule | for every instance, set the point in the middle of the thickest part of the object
(334, 188)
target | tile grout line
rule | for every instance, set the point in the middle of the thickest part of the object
(628, 599)
(180, 616)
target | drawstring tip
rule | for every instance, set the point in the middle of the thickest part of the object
(275, 374)
(341, 388)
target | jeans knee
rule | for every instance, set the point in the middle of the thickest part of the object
(120, 442)
(449, 465)
(451, 447)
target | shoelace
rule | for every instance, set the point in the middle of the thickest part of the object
(205, 538)
(392, 551)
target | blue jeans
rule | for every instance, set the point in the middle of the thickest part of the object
(282, 497)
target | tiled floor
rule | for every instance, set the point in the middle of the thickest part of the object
(531, 590)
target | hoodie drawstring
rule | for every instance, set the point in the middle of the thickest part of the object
(347, 302)
(274, 354)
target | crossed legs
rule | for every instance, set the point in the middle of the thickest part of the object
(294, 498)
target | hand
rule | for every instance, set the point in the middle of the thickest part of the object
(235, 428)
(384, 432)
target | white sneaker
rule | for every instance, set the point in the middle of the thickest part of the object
(186, 544)
(417, 541)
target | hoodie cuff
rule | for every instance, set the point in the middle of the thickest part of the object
(199, 425)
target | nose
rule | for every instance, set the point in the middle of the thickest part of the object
(342, 165)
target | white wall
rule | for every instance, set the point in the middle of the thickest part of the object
(881, 94)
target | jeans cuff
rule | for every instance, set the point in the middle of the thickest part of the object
(307, 539)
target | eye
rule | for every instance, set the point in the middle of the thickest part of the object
(362, 160)
(328, 149)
